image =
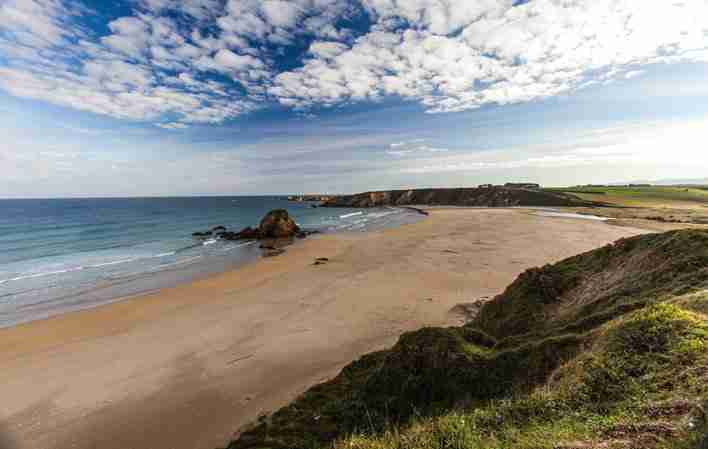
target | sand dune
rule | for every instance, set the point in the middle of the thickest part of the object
(185, 367)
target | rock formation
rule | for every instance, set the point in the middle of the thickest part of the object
(277, 224)
(485, 197)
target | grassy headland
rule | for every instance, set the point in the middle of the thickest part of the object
(604, 349)
(493, 196)
(646, 196)
(657, 207)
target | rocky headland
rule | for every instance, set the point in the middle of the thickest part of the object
(495, 196)
(309, 198)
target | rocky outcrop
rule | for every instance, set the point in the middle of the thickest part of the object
(277, 224)
(247, 233)
(484, 197)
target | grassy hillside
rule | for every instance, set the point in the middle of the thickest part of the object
(660, 208)
(605, 349)
(655, 196)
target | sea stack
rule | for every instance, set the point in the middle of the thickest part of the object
(277, 224)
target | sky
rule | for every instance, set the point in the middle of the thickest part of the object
(221, 97)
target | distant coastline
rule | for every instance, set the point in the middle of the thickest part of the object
(509, 195)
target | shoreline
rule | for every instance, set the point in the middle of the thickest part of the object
(143, 283)
(196, 277)
(209, 356)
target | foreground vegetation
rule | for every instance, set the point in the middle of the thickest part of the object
(607, 349)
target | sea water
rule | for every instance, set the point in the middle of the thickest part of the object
(59, 255)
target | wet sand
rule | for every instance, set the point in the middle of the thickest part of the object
(185, 367)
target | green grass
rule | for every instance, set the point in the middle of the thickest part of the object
(623, 384)
(640, 196)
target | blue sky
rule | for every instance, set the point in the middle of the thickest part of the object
(167, 97)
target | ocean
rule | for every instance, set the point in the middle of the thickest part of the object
(60, 255)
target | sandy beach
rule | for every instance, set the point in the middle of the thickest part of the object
(185, 367)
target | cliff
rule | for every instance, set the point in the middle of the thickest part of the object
(607, 349)
(308, 198)
(488, 197)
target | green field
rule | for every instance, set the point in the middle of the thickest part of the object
(654, 196)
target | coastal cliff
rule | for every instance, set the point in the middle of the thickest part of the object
(607, 349)
(483, 196)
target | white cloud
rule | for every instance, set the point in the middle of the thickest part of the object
(458, 55)
(199, 9)
(439, 16)
(280, 13)
(327, 50)
(120, 74)
(414, 147)
(625, 146)
(449, 55)
(634, 73)
(229, 60)
(172, 125)
(36, 23)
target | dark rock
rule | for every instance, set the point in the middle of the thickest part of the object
(248, 233)
(278, 224)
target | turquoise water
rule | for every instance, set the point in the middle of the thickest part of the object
(66, 254)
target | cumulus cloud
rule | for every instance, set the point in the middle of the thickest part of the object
(457, 55)
(197, 61)
(36, 23)
(198, 9)
(126, 74)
